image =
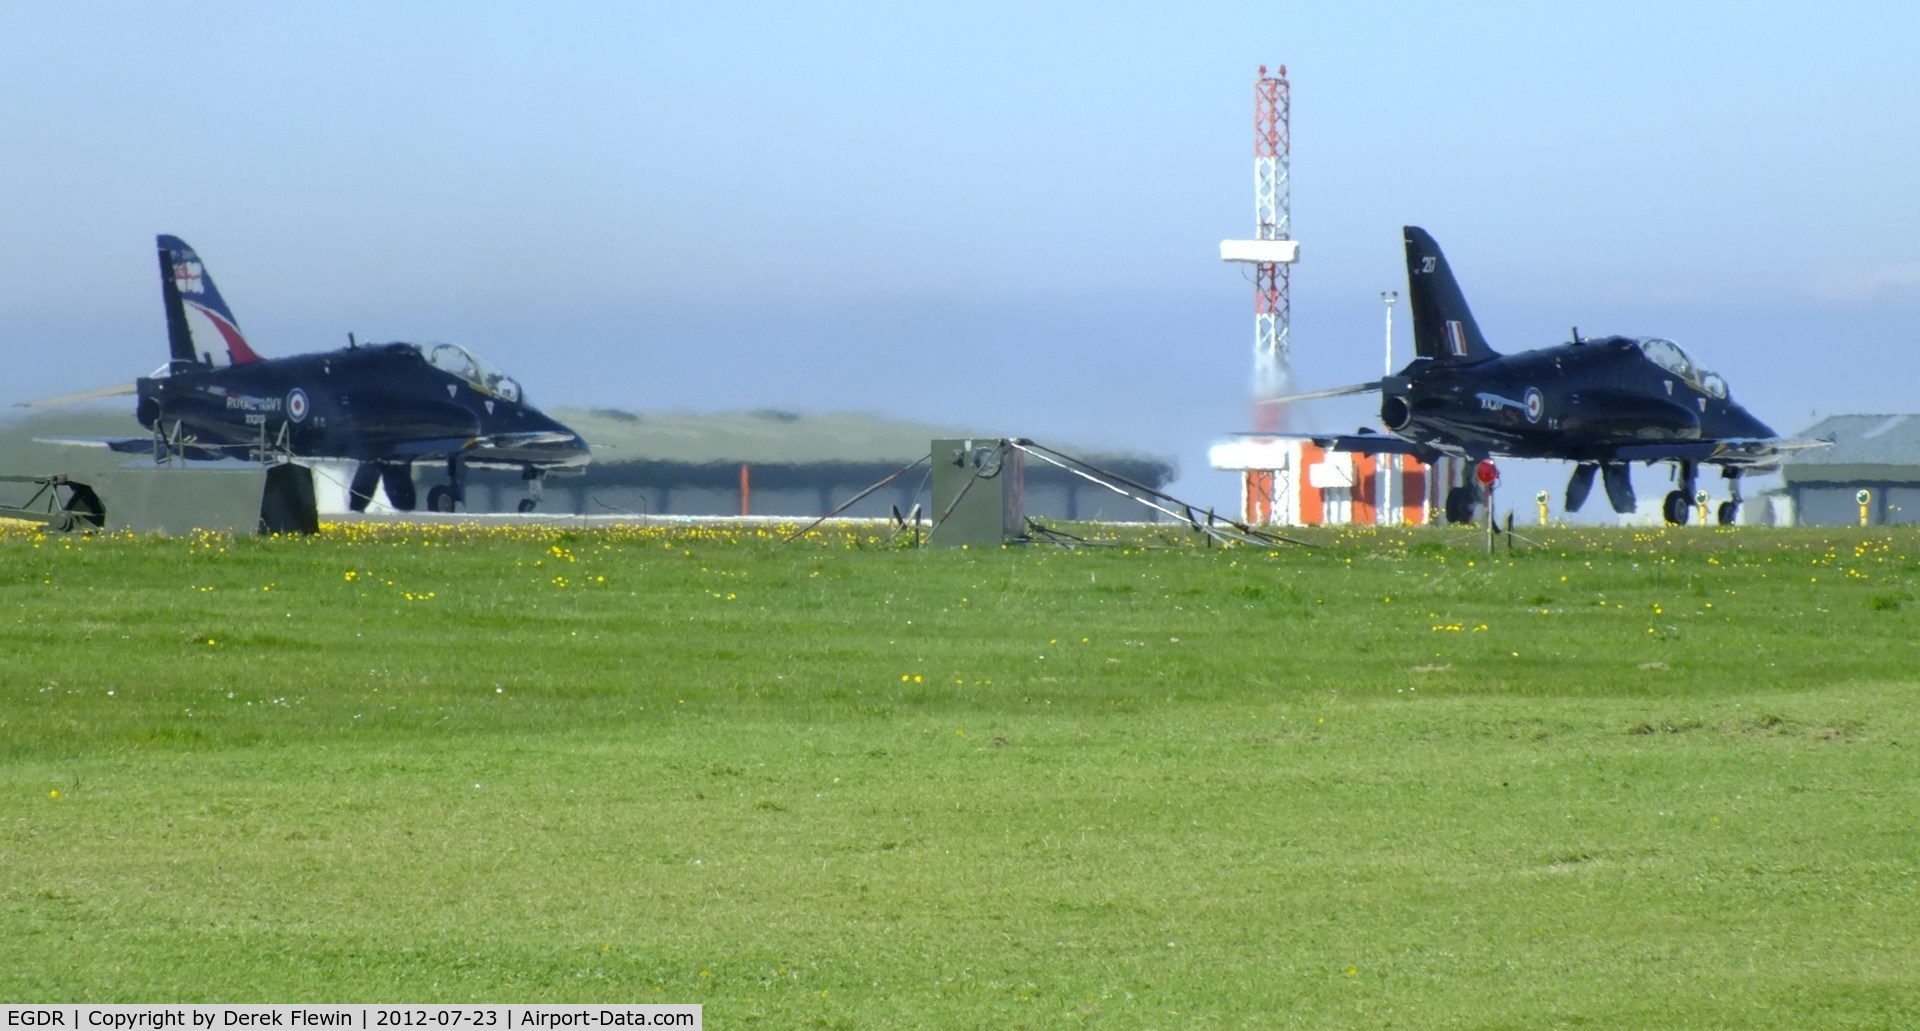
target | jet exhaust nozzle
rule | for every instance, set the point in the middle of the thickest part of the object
(1395, 413)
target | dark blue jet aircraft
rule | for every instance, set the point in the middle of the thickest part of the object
(1600, 403)
(382, 406)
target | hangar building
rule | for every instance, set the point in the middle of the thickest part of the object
(778, 463)
(676, 463)
(1879, 454)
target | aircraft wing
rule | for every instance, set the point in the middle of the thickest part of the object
(1365, 443)
(1744, 452)
(462, 445)
(1754, 453)
(558, 452)
(145, 446)
(118, 390)
(433, 448)
(531, 439)
(1250, 448)
(117, 445)
(482, 451)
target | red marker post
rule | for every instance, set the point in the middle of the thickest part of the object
(1489, 476)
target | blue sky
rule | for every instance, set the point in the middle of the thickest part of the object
(997, 215)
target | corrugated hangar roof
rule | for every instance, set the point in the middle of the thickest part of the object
(1865, 447)
(762, 437)
(1864, 440)
(766, 437)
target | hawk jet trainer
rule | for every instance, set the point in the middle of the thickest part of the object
(1600, 403)
(384, 407)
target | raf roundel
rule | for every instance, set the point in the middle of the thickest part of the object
(297, 405)
(1536, 405)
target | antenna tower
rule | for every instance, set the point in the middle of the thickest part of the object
(1272, 294)
(1271, 470)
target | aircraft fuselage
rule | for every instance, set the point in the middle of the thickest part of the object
(378, 402)
(1578, 401)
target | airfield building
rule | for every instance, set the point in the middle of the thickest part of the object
(785, 464)
(770, 463)
(1878, 454)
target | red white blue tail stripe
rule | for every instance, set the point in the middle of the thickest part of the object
(197, 291)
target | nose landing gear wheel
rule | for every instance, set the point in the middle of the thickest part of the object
(440, 499)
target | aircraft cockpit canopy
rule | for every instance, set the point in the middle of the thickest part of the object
(1669, 356)
(471, 367)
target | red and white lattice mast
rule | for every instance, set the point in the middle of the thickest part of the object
(1269, 483)
(1272, 251)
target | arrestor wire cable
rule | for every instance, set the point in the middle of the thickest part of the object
(1117, 489)
(852, 501)
(1087, 471)
(1261, 535)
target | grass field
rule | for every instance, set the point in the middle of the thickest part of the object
(1647, 779)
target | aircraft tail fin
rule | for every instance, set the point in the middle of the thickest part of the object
(1443, 326)
(185, 284)
(179, 337)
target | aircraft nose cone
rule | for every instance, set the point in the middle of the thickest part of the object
(575, 447)
(1755, 428)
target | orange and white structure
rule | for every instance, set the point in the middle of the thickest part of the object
(1332, 488)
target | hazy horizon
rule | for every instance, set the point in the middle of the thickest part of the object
(982, 215)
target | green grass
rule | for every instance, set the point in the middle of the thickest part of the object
(1650, 779)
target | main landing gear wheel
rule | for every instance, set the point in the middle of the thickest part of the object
(440, 499)
(1459, 505)
(1676, 507)
(528, 504)
(397, 481)
(1729, 511)
(366, 479)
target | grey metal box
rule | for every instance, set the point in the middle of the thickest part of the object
(979, 492)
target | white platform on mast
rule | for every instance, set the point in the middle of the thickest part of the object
(1261, 252)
